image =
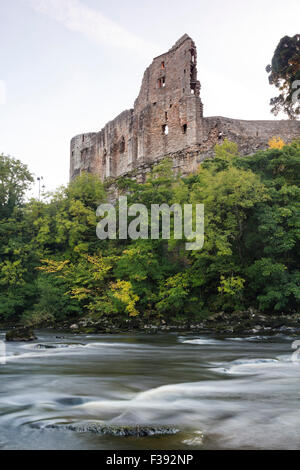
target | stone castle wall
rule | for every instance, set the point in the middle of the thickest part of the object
(167, 120)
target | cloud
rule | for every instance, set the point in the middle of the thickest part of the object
(80, 18)
(2, 92)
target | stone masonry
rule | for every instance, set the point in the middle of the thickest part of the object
(167, 120)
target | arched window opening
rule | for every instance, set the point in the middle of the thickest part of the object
(165, 129)
(193, 88)
(162, 82)
(193, 53)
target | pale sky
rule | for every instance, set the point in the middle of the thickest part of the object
(70, 66)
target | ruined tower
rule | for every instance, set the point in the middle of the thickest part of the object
(167, 120)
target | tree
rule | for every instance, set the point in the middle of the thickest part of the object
(15, 180)
(230, 194)
(276, 143)
(272, 240)
(17, 253)
(284, 73)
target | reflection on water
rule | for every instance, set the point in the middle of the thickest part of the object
(231, 393)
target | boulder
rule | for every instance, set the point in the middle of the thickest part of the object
(51, 346)
(117, 431)
(20, 334)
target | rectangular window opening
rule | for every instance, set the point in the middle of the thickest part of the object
(184, 128)
(193, 89)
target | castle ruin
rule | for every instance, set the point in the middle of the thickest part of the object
(167, 121)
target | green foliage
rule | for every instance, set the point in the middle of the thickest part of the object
(274, 231)
(231, 289)
(53, 268)
(15, 179)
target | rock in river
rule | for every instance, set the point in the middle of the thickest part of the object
(20, 334)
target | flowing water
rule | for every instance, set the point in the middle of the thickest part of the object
(220, 393)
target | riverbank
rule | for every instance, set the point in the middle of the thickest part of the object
(221, 324)
(237, 323)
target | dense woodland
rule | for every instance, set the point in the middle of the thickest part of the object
(53, 268)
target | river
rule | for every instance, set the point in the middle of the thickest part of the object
(232, 393)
